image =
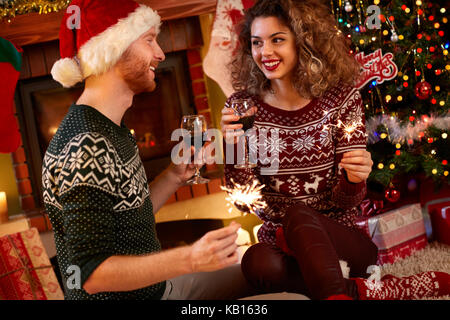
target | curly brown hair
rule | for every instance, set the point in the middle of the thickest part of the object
(324, 58)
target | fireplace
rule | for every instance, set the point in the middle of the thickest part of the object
(42, 104)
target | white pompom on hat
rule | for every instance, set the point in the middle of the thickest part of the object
(105, 30)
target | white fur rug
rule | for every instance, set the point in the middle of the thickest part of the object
(434, 257)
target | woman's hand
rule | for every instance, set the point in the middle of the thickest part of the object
(357, 164)
(231, 132)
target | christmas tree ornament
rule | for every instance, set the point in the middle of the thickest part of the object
(348, 7)
(423, 90)
(10, 66)
(394, 36)
(391, 194)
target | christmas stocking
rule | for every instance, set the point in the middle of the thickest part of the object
(422, 285)
(224, 41)
(10, 65)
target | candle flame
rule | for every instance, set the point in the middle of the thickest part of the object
(248, 196)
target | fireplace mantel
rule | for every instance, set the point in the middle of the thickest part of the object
(23, 30)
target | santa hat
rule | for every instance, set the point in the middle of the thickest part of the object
(94, 42)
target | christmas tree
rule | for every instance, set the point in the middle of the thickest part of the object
(405, 92)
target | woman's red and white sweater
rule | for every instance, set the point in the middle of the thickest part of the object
(310, 143)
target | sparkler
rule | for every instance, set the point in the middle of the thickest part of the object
(248, 196)
(348, 129)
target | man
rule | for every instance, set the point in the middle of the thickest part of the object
(95, 188)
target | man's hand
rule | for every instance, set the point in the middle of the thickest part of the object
(357, 164)
(215, 250)
(184, 171)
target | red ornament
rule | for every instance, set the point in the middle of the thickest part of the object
(419, 50)
(392, 194)
(444, 162)
(423, 90)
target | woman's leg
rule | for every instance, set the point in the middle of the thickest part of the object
(319, 243)
(269, 269)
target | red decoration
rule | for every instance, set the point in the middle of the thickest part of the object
(391, 194)
(9, 75)
(423, 90)
(376, 66)
(440, 222)
(419, 50)
(444, 162)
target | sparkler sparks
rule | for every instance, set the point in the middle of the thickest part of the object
(248, 196)
(348, 129)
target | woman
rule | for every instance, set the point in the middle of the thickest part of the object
(295, 65)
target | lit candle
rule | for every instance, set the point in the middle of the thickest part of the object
(3, 208)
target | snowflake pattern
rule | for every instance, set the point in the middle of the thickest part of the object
(304, 144)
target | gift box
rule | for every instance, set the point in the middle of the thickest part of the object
(440, 220)
(397, 233)
(25, 269)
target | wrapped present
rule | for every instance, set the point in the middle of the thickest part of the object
(440, 220)
(25, 269)
(397, 233)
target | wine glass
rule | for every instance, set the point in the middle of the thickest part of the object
(197, 128)
(245, 109)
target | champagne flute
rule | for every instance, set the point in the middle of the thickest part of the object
(245, 109)
(197, 128)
